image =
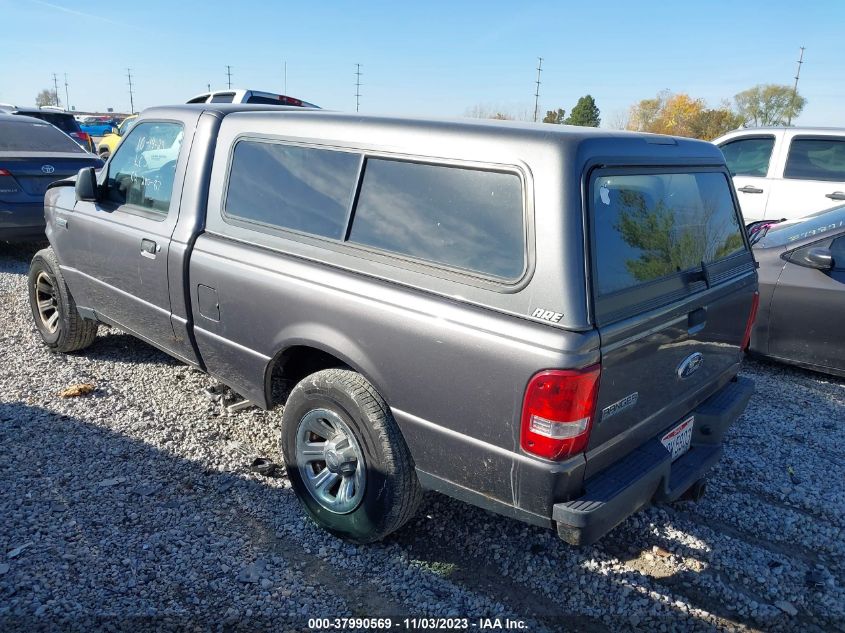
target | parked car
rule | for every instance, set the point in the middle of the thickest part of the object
(99, 127)
(62, 120)
(33, 154)
(782, 172)
(111, 140)
(452, 315)
(802, 291)
(249, 96)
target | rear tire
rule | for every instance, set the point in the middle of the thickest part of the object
(363, 485)
(61, 327)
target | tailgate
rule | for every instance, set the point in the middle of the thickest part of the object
(673, 284)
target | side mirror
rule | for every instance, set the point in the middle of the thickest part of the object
(819, 258)
(86, 185)
(114, 130)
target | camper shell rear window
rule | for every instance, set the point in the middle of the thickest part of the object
(659, 235)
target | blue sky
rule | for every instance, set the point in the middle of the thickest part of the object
(424, 58)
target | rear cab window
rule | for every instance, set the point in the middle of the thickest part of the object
(659, 235)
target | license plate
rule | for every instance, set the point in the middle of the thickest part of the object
(677, 440)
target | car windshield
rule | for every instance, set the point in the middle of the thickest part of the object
(817, 224)
(35, 137)
(126, 126)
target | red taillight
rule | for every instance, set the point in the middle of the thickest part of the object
(558, 410)
(746, 338)
(81, 135)
(4, 172)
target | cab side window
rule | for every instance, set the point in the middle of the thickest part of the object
(816, 159)
(142, 170)
(749, 156)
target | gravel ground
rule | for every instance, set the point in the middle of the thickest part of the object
(134, 507)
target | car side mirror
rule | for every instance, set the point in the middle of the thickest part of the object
(819, 258)
(86, 185)
(114, 130)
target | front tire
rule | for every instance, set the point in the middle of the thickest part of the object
(346, 458)
(61, 327)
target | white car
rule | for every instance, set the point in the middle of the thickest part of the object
(249, 96)
(785, 173)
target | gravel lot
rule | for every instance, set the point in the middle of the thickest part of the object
(134, 507)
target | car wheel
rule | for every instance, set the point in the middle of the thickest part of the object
(61, 327)
(346, 458)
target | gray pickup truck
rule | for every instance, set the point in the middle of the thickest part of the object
(544, 321)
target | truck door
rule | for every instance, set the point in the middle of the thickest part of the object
(813, 178)
(117, 247)
(749, 161)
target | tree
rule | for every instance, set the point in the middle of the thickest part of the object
(681, 115)
(713, 123)
(585, 113)
(769, 104)
(47, 97)
(554, 116)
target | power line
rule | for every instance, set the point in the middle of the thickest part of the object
(56, 89)
(537, 93)
(795, 87)
(131, 94)
(229, 75)
(67, 97)
(358, 74)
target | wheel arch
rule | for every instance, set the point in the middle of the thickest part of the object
(301, 356)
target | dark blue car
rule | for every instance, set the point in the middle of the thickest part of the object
(33, 154)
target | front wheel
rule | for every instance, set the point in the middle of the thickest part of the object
(61, 327)
(346, 458)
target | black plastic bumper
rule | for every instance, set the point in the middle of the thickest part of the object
(648, 475)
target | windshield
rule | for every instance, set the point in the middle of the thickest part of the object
(126, 126)
(817, 224)
(35, 137)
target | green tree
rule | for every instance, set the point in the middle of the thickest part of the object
(769, 104)
(585, 113)
(46, 97)
(713, 123)
(554, 116)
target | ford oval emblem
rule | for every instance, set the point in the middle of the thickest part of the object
(690, 365)
(48, 169)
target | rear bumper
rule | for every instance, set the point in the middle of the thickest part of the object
(647, 474)
(21, 221)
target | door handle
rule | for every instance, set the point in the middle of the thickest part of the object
(149, 248)
(750, 189)
(836, 195)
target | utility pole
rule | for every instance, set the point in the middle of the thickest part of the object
(209, 87)
(795, 87)
(56, 89)
(67, 97)
(131, 94)
(537, 93)
(229, 75)
(358, 74)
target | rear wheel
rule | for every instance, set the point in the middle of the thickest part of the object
(346, 458)
(61, 327)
